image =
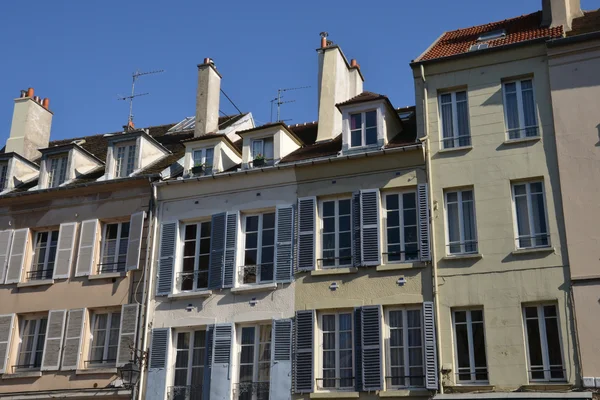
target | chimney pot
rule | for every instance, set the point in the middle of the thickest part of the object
(30, 92)
(23, 94)
(353, 63)
(46, 103)
(207, 60)
(323, 42)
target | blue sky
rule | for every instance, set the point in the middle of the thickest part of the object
(81, 54)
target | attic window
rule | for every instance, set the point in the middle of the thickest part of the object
(124, 159)
(480, 46)
(57, 171)
(262, 152)
(3, 172)
(363, 129)
(498, 34)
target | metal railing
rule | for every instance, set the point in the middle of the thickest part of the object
(335, 262)
(533, 241)
(547, 373)
(26, 367)
(400, 256)
(100, 362)
(340, 384)
(201, 170)
(251, 390)
(255, 274)
(522, 133)
(108, 268)
(191, 392)
(185, 280)
(265, 162)
(405, 381)
(457, 141)
(40, 274)
(466, 247)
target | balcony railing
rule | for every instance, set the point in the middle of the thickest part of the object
(264, 162)
(100, 363)
(109, 268)
(466, 247)
(335, 262)
(255, 274)
(191, 392)
(457, 141)
(401, 256)
(405, 381)
(533, 241)
(522, 133)
(26, 367)
(339, 384)
(193, 280)
(251, 391)
(40, 274)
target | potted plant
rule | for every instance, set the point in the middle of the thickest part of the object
(198, 169)
(259, 160)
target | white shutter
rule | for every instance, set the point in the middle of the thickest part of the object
(356, 242)
(220, 380)
(86, 257)
(73, 337)
(7, 323)
(156, 386)
(281, 360)
(5, 241)
(166, 258)
(55, 330)
(284, 243)
(18, 251)
(217, 251)
(134, 244)
(423, 199)
(303, 372)
(307, 223)
(64, 250)
(371, 347)
(431, 368)
(127, 331)
(369, 227)
(229, 266)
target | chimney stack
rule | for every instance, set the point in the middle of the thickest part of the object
(560, 12)
(31, 123)
(208, 95)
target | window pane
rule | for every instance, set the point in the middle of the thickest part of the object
(371, 119)
(462, 122)
(479, 345)
(268, 148)
(371, 136)
(462, 346)
(447, 124)
(528, 106)
(512, 108)
(534, 343)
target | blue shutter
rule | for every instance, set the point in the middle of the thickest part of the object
(230, 249)
(369, 217)
(307, 221)
(284, 243)
(207, 362)
(220, 380)
(156, 386)
(356, 246)
(304, 379)
(358, 349)
(166, 259)
(371, 348)
(423, 199)
(281, 360)
(431, 368)
(217, 251)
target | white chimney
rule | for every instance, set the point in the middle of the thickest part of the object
(31, 123)
(560, 12)
(207, 98)
(338, 82)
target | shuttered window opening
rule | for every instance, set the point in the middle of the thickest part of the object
(134, 245)
(423, 206)
(31, 347)
(336, 233)
(217, 251)
(65, 250)
(369, 227)
(306, 233)
(159, 347)
(18, 249)
(431, 364)
(222, 343)
(54, 340)
(76, 324)
(303, 371)
(196, 257)
(372, 348)
(284, 243)
(231, 235)
(5, 241)
(115, 239)
(282, 338)
(104, 339)
(402, 236)
(337, 351)
(7, 322)
(259, 249)
(469, 342)
(189, 365)
(404, 339)
(86, 256)
(44, 255)
(254, 362)
(166, 259)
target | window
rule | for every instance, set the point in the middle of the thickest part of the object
(57, 173)
(203, 161)
(405, 349)
(125, 160)
(31, 348)
(262, 152)
(336, 235)
(255, 363)
(363, 129)
(3, 173)
(493, 35)
(114, 247)
(471, 361)
(44, 255)
(454, 116)
(519, 109)
(196, 257)
(189, 366)
(461, 231)
(105, 339)
(337, 363)
(259, 248)
(530, 210)
(543, 343)
(401, 225)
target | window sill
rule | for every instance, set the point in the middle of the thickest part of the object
(97, 371)
(522, 140)
(110, 275)
(405, 393)
(23, 375)
(255, 288)
(452, 149)
(468, 388)
(190, 295)
(533, 250)
(477, 256)
(41, 282)
(334, 271)
(335, 395)
(400, 266)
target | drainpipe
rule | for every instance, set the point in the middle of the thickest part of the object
(432, 237)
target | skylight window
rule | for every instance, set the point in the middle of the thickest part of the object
(187, 124)
(498, 34)
(480, 46)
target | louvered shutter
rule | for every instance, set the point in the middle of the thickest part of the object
(20, 239)
(304, 379)
(217, 251)
(356, 242)
(5, 241)
(127, 331)
(371, 348)
(86, 256)
(134, 245)
(281, 360)
(231, 234)
(431, 368)
(166, 258)
(220, 382)
(156, 386)
(7, 323)
(64, 250)
(369, 229)
(55, 330)
(307, 222)
(358, 349)
(423, 199)
(284, 243)
(73, 338)
(207, 362)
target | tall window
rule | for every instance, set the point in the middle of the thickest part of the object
(203, 159)
(401, 224)
(105, 339)
(44, 255)
(454, 115)
(460, 211)
(196, 257)
(114, 247)
(519, 106)
(336, 235)
(255, 363)
(189, 366)
(337, 357)
(530, 209)
(543, 343)
(262, 152)
(405, 349)
(125, 160)
(31, 349)
(363, 129)
(471, 361)
(57, 173)
(3, 173)
(259, 249)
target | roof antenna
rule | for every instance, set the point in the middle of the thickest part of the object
(135, 76)
(277, 100)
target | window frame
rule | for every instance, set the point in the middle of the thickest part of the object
(116, 263)
(256, 352)
(456, 137)
(190, 356)
(472, 367)
(36, 342)
(3, 175)
(461, 220)
(319, 348)
(94, 320)
(530, 214)
(401, 226)
(520, 109)
(203, 150)
(259, 246)
(320, 222)
(363, 128)
(33, 268)
(129, 154)
(197, 255)
(61, 167)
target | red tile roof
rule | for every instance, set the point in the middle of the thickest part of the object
(519, 29)
(590, 22)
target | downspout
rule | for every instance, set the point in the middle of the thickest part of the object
(432, 236)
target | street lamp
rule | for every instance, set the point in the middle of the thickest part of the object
(130, 374)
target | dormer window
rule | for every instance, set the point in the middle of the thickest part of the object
(3, 174)
(57, 172)
(262, 152)
(203, 160)
(124, 159)
(363, 129)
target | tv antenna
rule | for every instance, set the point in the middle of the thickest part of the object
(133, 95)
(278, 100)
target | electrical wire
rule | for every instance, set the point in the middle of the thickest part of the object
(231, 101)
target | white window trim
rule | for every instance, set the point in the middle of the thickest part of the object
(190, 351)
(455, 134)
(402, 225)
(38, 320)
(47, 246)
(359, 108)
(4, 176)
(202, 157)
(196, 255)
(260, 216)
(461, 222)
(262, 139)
(405, 346)
(519, 93)
(472, 368)
(363, 128)
(118, 242)
(256, 352)
(530, 215)
(106, 342)
(51, 172)
(337, 351)
(128, 146)
(337, 231)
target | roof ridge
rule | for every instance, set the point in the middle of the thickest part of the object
(494, 22)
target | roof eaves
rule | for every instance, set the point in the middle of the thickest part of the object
(431, 46)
